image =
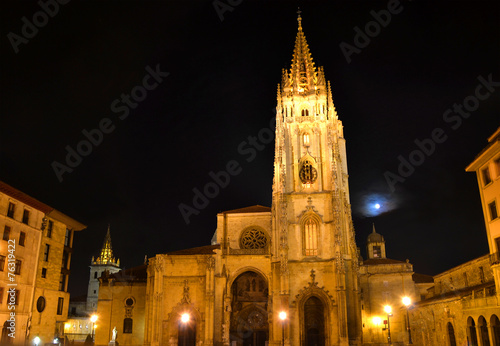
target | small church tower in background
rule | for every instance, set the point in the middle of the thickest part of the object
(375, 246)
(105, 262)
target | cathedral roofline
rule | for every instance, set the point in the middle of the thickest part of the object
(201, 250)
(252, 209)
(380, 261)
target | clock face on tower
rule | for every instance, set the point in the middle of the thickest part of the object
(308, 173)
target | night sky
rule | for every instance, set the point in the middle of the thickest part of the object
(215, 87)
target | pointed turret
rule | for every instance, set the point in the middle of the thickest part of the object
(106, 257)
(375, 244)
(106, 262)
(303, 71)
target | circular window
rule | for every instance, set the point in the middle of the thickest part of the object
(40, 304)
(129, 302)
(253, 239)
(308, 173)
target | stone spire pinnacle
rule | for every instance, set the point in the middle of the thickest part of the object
(106, 257)
(303, 71)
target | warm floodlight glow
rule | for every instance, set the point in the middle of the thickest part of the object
(406, 301)
(388, 309)
(93, 318)
(282, 315)
(185, 318)
(36, 340)
(376, 320)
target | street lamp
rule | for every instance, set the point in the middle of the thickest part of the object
(407, 302)
(388, 311)
(93, 319)
(36, 340)
(185, 320)
(282, 316)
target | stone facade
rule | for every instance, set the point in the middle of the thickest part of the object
(122, 304)
(462, 298)
(384, 282)
(43, 239)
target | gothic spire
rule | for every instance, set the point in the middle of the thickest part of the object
(303, 71)
(106, 257)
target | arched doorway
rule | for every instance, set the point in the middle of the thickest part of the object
(495, 328)
(314, 322)
(483, 331)
(451, 334)
(5, 334)
(249, 324)
(471, 332)
(187, 333)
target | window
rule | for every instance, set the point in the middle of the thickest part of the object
(2, 263)
(16, 297)
(377, 252)
(311, 237)
(481, 274)
(306, 139)
(466, 280)
(22, 238)
(44, 273)
(6, 233)
(486, 176)
(46, 253)
(60, 305)
(497, 241)
(49, 229)
(62, 282)
(497, 166)
(308, 173)
(67, 237)
(127, 326)
(493, 210)
(1, 295)
(17, 271)
(26, 216)
(40, 304)
(65, 258)
(10, 211)
(305, 113)
(95, 275)
(253, 239)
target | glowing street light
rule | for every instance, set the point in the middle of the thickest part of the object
(388, 311)
(407, 303)
(93, 319)
(36, 340)
(282, 316)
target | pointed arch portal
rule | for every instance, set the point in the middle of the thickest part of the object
(314, 322)
(249, 324)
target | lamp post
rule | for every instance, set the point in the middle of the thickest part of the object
(282, 316)
(185, 320)
(93, 319)
(36, 340)
(388, 311)
(407, 302)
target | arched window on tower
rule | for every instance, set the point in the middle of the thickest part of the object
(311, 237)
(305, 112)
(306, 139)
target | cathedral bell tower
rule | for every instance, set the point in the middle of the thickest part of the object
(312, 224)
(105, 262)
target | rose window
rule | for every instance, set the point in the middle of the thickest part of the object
(254, 239)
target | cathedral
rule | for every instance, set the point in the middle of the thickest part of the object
(285, 274)
(289, 274)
